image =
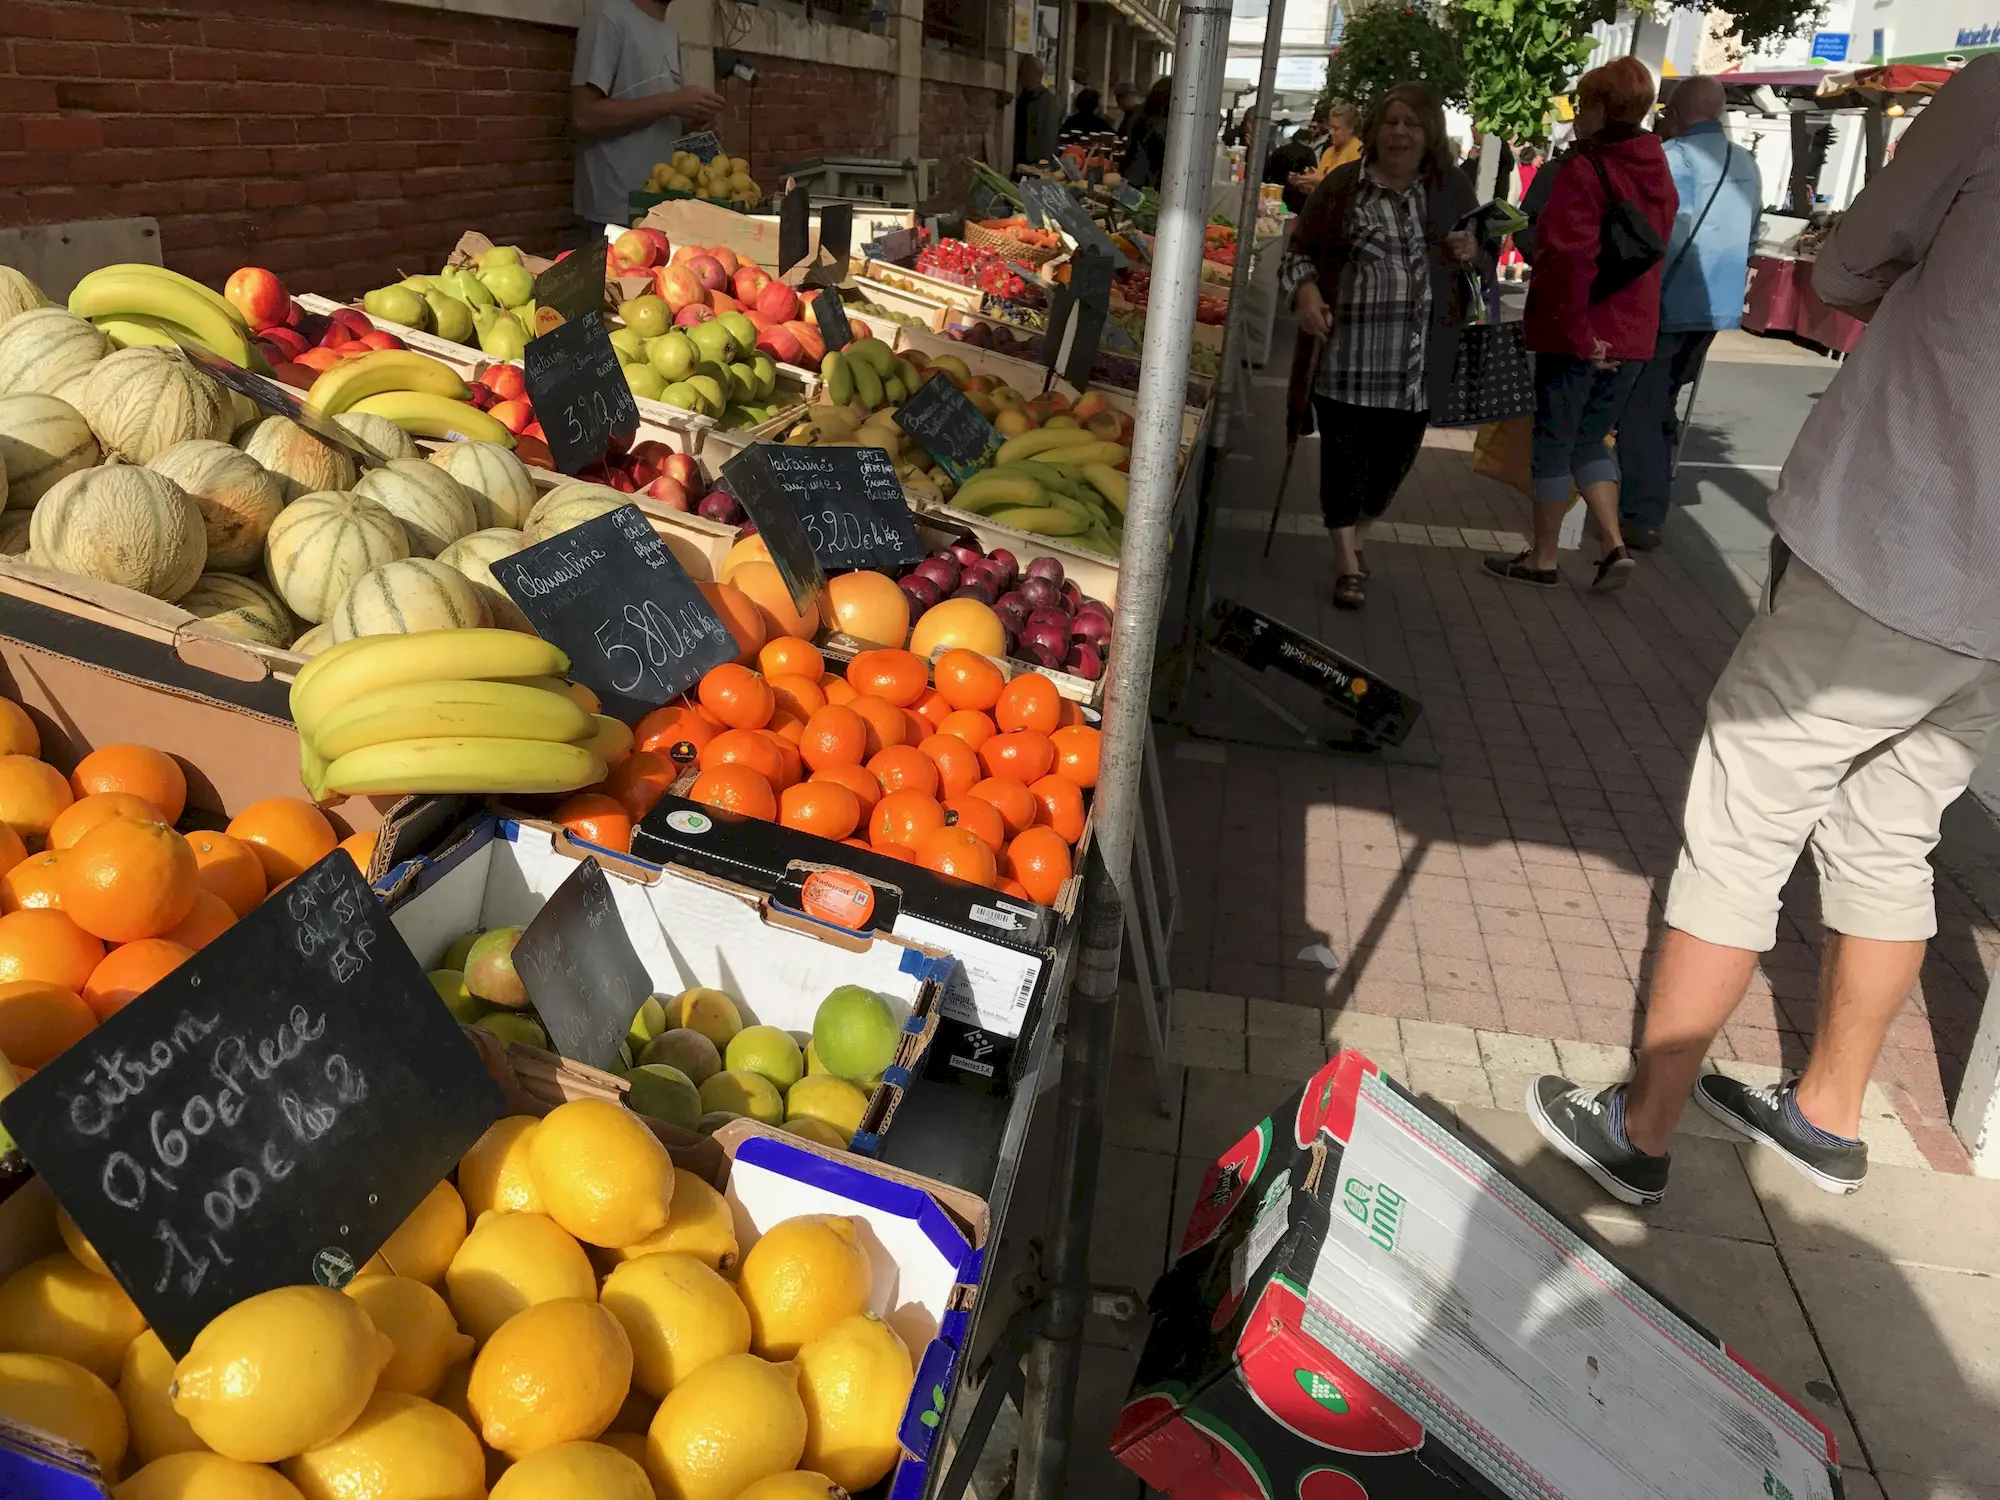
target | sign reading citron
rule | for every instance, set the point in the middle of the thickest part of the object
(602, 1174)
(399, 1445)
(855, 1381)
(679, 1315)
(206, 1476)
(419, 1324)
(575, 1471)
(556, 1373)
(801, 1278)
(494, 1173)
(510, 1262)
(714, 1437)
(699, 1224)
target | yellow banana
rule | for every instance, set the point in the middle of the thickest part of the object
(455, 764)
(422, 414)
(1109, 483)
(839, 379)
(372, 662)
(384, 370)
(125, 292)
(1042, 440)
(142, 331)
(576, 692)
(610, 740)
(872, 352)
(867, 384)
(207, 293)
(1052, 520)
(983, 495)
(466, 708)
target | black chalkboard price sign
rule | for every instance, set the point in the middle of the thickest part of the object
(1077, 316)
(581, 970)
(580, 395)
(637, 629)
(573, 286)
(832, 318)
(761, 490)
(1057, 206)
(702, 143)
(265, 1115)
(848, 501)
(794, 227)
(949, 428)
(836, 237)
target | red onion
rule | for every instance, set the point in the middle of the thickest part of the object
(1093, 628)
(1008, 561)
(720, 505)
(967, 553)
(1048, 644)
(977, 591)
(748, 528)
(941, 573)
(1085, 660)
(942, 554)
(921, 591)
(1040, 592)
(1095, 607)
(1046, 567)
(1054, 619)
(1072, 597)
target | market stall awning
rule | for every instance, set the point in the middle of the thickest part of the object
(1777, 78)
(1896, 78)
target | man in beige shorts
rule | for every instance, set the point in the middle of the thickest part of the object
(1862, 698)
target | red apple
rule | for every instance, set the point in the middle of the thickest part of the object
(669, 492)
(514, 415)
(318, 358)
(296, 375)
(729, 260)
(259, 296)
(661, 249)
(287, 339)
(693, 313)
(634, 251)
(679, 288)
(680, 468)
(708, 271)
(375, 338)
(780, 345)
(748, 282)
(778, 302)
(811, 341)
(721, 302)
(860, 329)
(757, 319)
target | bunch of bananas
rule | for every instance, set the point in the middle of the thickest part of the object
(466, 711)
(868, 371)
(1054, 481)
(150, 305)
(421, 395)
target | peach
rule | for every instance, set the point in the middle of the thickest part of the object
(722, 302)
(375, 338)
(321, 359)
(259, 296)
(505, 381)
(680, 468)
(286, 338)
(728, 259)
(353, 319)
(669, 492)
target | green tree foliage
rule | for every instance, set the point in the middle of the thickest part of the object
(1388, 44)
(1518, 55)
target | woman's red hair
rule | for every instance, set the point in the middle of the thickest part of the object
(1622, 87)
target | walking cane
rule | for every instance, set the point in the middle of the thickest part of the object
(1294, 422)
(1681, 423)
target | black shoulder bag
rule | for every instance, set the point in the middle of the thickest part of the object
(1628, 245)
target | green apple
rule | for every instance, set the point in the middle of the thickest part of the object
(742, 382)
(714, 341)
(647, 316)
(713, 396)
(683, 395)
(511, 285)
(673, 355)
(644, 381)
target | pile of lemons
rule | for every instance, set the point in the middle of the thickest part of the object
(596, 1333)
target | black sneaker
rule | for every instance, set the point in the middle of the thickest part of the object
(1641, 538)
(1614, 571)
(1576, 1123)
(1763, 1115)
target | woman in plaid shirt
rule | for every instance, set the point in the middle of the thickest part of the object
(1374, 274)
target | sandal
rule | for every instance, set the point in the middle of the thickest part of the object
(1349, 591)
(1614, 571)
(1517, 569)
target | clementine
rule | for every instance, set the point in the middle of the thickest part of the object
(965, 679)
(206, 921)
(736, 788)
(737, 696)
(1023, 754)
(981, 817)
(958, 767)
(799, 696)
(932, 709)
(788, 656)
(867, 790)
(139, 770)
(837, 689)
(226, 867)
(745, 747)
(1060, 806)
(904, 768)
(736, 611)
(126, 880)
(834, 735)
(38, 1021)
(360, 848)
(597, 818)
(885, 722)
(32, 795)
(1039, 859)
(287, 834)
(12, 850)
(958, 852)
(128, 971)
(1030, 701)
(639, 780)
(823, 807)
(1076, 749)
(969, 724)
(38, 943)
(674, 724)
(903, 818)
(895, 676)
(788, 727)
(1014, 802)
(18, 734)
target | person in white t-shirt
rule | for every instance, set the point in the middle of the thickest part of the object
(629, 103)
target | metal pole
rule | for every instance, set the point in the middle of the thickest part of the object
(1065, 55)
(1254, 152)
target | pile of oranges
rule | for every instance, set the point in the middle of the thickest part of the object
(977, 777)
(100, 898)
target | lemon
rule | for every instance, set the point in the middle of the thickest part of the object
(54, 1306)
(510, 1262)
(494, 1173)
(633, 1446)
(636, 1415)
(451, 1396)
(832, 1100)
(738, 1092)
(602, 1174)
(800, 1279)
(699, 1223)
(205, 1476)
(575, 1471)
(81, 1248)
(556, 1373)
(61, 1396)
(806, 1128)
(419, 1324)
(714, 1437)
(399, 1446)
(768, 1052)
(855, 1380)
(679, 1315)
(157, 1429)
(425, 1242)
(800, 1484)
(279, 1372)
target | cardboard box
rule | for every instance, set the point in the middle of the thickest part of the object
(1364, 1305)
(938, 289)
(688, 928)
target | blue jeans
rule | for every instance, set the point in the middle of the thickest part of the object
(1646, 432)
(1576, 407)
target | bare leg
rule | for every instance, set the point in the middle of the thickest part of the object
(1548, 528)
(1862, 983)
(1602, 500)
(1696, 985)
(1345, 541)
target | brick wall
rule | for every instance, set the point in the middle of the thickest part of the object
(799, 110)
(955, 122)
(335, 141)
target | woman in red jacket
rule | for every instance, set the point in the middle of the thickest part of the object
(1593, 312)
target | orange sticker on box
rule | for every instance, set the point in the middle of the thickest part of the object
(839, 898)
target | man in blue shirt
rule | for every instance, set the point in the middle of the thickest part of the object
(1701, 291)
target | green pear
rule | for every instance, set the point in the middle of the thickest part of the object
(502, 337)
(631, 348)
(525, 316)
(767, 374)
(647, 315)
(713, 397)
(451, 318)
(714, 341)
(511, 285)
(498, 255)
(683, 395)
(673, 355)
(399, 305)
(742, 382)
(644, 381)
(740, 329)
(469, 289)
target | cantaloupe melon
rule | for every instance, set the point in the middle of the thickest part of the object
(379, 433)
(312, 642)
(141, 402)
(238, 499)
(398, 598)
(322, 542)
(44, 349)
(304, 465)
(570, 505)
(240, 606)
(238, 412)
(474, 556)
(124, 525)
(42, 440)
(435, 509)
(502, 488)
(17, 295)
(14, 525)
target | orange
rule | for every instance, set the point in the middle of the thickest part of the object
(597, 818)
(1013, 888)
(857, 843)
(12, 850)
(1030, 701)
(764, 586)
(32, 795)
(31, 883)
(1015, 803)
(979, 816)
(708, 718)
(48, 946)
(1076, 748)
(885, 723)
(229, 868)
(969, 724)
(916, 728)
(837, 689)
(126, 880)
(1060, 807)
(867, 790)
(931, 708)
(37, 1021)
(206, 921)
(791, 765)
(745, 621)
(958, 767)
(18, 735)
(965, 679)
(834, 735)
(737, 696)
(789, 656)
(894, 676)
(84, 814)
(287, 835)
(677, 723)
(959, 852)
(127, 972)
(138, 769)
(823, 807)
(1023, 754)
(639, 780)
(360, 848)
(1039, 860)
(895, 851)
(736, 788)
(788, 727)
(900, 818)
(745, 747)
(1072, 713)
(904, 768)
(799, 696)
